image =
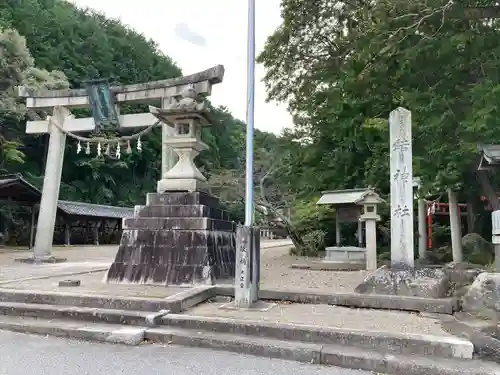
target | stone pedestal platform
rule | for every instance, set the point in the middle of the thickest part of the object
(423, 282)
(177, 238)
(344, 258)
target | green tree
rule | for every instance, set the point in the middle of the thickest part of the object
(86, 45)
(342, 66)
(17, 68)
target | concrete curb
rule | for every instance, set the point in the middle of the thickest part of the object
(79, 313)
(439, 346)
(88, 300)
(44, 277)
(104, 333)
(373, 301)
(372, 340)
(330, 266)
(342, 356)
(195, 295)
(176, 303)
(485, 345)
(333, 355)
(191, 297)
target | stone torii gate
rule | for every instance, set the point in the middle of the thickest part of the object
(61, 101)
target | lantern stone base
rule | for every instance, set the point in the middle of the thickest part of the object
(422, 282)
(348, 254)
(177, 238)
(166, 185)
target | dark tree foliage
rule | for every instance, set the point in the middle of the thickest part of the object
(84, 45)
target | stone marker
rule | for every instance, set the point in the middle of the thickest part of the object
(402, 278)
(401, 189)
(247, 277)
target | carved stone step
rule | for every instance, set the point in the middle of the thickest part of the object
(182, 198)
(178, 238)
(178, 223)
(194, 255)
(192, 210)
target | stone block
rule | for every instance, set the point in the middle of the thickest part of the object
(181, 184)
(127, 336)
(178, 238)
(483, 296)
(182, 198)
(181, 223)
(425, 282)
(154, 319)
(476, 249)
(345, 254)
(41, 260)
(463, 273)
(172, 211)
(69, 283)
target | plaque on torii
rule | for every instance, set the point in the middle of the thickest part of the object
(62, 122)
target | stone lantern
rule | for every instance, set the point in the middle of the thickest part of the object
(181, 236)
(370, 201)
(186, 115)
(370, 208)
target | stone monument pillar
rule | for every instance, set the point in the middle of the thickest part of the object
(401, 189)
(402, 278)
(247, 277)
(181, 236)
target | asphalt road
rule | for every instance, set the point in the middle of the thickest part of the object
(37, 355)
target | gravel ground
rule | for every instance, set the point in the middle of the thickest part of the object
(93, 284)
(332, 316)
(277, 274)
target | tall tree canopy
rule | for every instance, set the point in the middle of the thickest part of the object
(52, 43)
(342, 66)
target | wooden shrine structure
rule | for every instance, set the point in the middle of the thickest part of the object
(76, 222)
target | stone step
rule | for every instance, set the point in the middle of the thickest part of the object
(80, 313)
(181, 238)
(174, 303)
(393, 342)
(185, 275)
(111, 333)
(366, 301)
(182, 256)
(178, 223)
(86, 300)
(182, 198)
(344, 356)
(193, 210)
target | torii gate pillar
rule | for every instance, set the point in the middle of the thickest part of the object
(61, 101)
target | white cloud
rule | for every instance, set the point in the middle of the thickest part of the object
(223, 26)
(184, 32)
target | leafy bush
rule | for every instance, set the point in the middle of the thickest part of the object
(308, 217)
(314, 242)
